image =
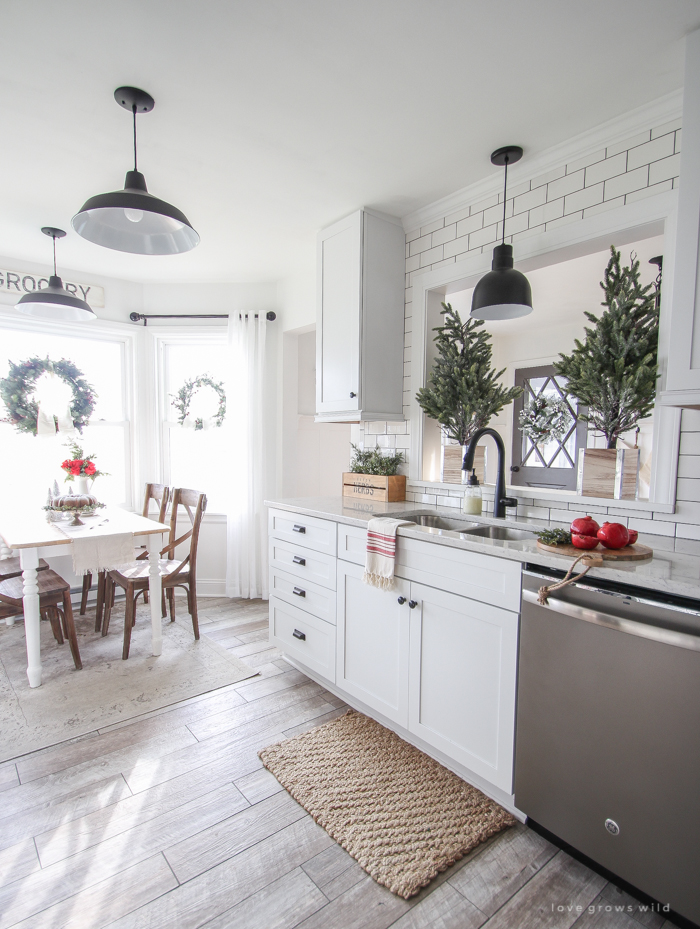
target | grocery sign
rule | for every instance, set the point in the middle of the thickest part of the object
(20, 283)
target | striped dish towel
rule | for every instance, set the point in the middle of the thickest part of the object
(381, 551)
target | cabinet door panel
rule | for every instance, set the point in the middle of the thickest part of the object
(338, 367)
(373, 643)
(462, 681)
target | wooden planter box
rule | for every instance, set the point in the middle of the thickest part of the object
(608, 472)
(374, 487)
(451, 463)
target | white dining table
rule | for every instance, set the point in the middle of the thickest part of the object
(34, 537)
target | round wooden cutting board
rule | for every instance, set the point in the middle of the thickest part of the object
(628, 553)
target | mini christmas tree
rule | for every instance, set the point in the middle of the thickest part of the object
(613, 371)
(462, 393)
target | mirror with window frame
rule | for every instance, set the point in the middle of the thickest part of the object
(526, 348)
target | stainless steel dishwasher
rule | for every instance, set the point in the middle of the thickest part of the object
(608, 730)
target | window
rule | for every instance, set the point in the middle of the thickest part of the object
(30, 464)
(194, 458)
(551, 463)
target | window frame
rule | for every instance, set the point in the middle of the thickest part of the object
(97, 330)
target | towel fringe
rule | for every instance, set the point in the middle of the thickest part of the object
(376, 580)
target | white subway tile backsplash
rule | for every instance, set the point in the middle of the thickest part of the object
(420, 245)
(413, 234)
(496, 212)
(602, 207)
(565, 185)
(533, 512)
(431, 256)
(650, 151)
(552, 175)
(687, 547)
(397, 428)
(689, 465)
(482, 237)
(690, 421)
(455, 217)
(445, 234)
(649, 191)
(441, 264)
(528, 201)
(573, 166)
(638, 139)
(626, 183)
(564, 220)
(665, 128)
(688, 488)
(403, 441)
(375, 428)
(660, 543)
(687, 531)
(665, 169)
(386, 441)
(413, 262)
(583, 198)
(516, 190)
(653, 526)
(432, 227)
(690, 445)
(547, 212)
(514, 225)
(679, 139)
(630, 514)
(456, 246)
(471, 224)
(484, 204)
(602, 170)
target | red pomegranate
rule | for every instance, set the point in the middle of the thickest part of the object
(583, 541)
(634, 535)
(584, 525)
(613, 535)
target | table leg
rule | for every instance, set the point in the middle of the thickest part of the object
(153, 543)
(5, 552)
(29, 559)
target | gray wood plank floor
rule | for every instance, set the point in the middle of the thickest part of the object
(170, 820)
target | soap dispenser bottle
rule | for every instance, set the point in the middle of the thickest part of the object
(471, 503)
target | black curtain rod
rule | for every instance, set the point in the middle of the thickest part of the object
(137, 317)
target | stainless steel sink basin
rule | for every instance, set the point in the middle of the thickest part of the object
(504, 533)
(441, 522)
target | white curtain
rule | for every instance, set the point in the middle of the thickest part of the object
(246, 518)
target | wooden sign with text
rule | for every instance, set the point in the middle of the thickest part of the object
(19, 283)
(389, 489)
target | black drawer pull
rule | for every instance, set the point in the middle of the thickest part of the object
(299, 592)
(301, 529)
(352, 394)
(413, 604)
(299, 635)
(297, 560)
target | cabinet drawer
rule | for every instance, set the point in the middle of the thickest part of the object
(304, 563)
(311, 598)
(311, 532)
(304, 637)
(480, 577)
(352, 544)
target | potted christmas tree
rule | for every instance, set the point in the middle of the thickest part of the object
(613, 372)
(463, 392)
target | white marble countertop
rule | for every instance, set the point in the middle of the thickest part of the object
(669, 572)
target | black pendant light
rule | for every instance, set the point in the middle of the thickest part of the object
(54, 301)
(132, 220)
(503, 293)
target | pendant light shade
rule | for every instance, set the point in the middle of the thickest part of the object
(54, 301)
(132, 220)
(503, 293)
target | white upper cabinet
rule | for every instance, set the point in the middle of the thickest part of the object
(683, 374)
(359, 332)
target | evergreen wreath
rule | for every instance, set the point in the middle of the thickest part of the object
(183, 398)
(545, 417)
(17, 388)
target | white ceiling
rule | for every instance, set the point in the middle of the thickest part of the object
(274, 118)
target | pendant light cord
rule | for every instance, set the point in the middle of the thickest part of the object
(133, 109)
(505, 189)
(55, 273)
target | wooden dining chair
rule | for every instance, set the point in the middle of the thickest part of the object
(161, 494)
(133, 578)
(11, 567)
(54, 605)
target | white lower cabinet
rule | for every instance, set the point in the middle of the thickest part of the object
(463, 657)
(372, 643)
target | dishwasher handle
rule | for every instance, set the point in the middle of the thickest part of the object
(618, 623)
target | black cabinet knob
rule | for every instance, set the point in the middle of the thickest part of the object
(413, 604)
(352, 393)
(514, 468)
(402, 600)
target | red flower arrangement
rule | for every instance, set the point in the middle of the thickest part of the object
(80, 465)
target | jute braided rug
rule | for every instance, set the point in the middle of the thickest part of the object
(399, 813)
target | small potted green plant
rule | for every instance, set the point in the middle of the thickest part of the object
(462, 392)
(374, 476)
(613, 372)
